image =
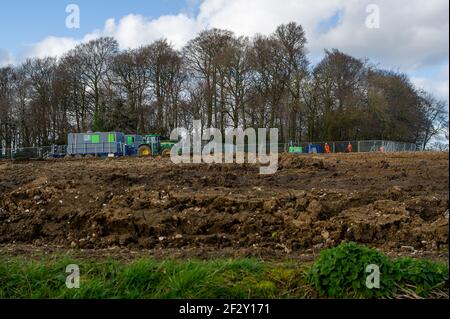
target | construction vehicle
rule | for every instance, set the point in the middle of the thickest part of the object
(151, 145)
(112, 144)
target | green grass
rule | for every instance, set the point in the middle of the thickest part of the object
(338, 272)
(150, 278)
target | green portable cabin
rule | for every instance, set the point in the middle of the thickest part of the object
(295, 149)
(96, 143)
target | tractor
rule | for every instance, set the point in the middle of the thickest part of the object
(152, 145)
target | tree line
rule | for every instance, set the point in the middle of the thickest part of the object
(221, 79)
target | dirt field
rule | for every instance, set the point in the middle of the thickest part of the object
(396, 202)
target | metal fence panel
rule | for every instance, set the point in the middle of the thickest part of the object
(355, 146)
(58, 151)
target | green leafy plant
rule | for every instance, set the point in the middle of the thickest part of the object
(423, 275)
(340, 272)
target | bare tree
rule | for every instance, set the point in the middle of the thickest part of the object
(270, 80)
(95, 58)
(202, 55)
(7, 124)
(340, 80)
(292, 42)
(131, 75)
(435, 118)
(223, 80)
(165, 75)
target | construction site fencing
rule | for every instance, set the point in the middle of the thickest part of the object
(246, 148)
(351, 146)
(58, 151)
(42, 152)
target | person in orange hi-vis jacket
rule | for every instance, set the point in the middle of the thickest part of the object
(349, 147)
(327, 148)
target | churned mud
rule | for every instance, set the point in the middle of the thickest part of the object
(397, 202)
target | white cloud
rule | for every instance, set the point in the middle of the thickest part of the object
(6, 58)
(136, 30)
(242, 17)
(439, 88)
(438, 85)
(51, 46)
(413, 35)
(263, 16)
(131, 31)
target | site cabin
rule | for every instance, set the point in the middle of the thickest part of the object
(97, 144)
(295, 149)
(310, 148)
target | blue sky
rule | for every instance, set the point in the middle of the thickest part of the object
(25, 22)
(412, 38)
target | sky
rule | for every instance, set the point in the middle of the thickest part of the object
(410, 36)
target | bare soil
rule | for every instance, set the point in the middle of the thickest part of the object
(397, 202)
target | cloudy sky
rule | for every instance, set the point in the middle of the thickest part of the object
(412, 37)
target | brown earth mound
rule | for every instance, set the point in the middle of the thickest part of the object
(393, 201)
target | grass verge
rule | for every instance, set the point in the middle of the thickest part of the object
(149, 278)
(339, 272)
